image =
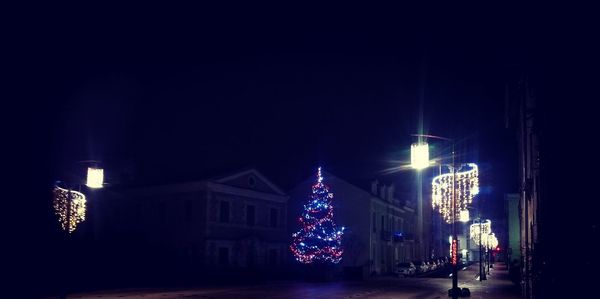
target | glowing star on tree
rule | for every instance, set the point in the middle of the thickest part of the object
(318, 240)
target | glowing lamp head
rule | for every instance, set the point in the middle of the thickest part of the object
(419, 155)
(464, 216)
(95, 177)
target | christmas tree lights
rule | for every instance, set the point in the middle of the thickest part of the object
(466, 187)
(318, 240)
(69, 206)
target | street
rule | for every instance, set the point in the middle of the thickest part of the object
(497, 286)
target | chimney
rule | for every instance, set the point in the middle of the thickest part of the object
(382, 191)
(374, 187)
(391, 190)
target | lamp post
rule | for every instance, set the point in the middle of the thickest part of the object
(477, 233)
(70, 207)
(419, 161)
(487, 251)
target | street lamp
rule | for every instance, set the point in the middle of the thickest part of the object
(95, 177)
(477, 231)
(445, 188)
(419, 155)
(70, 206)
(492, 243)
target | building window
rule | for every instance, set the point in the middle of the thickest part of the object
(188, 211)
(250, 215)
(374, 223)
(273, 217)
(224, 211)
(223, 256)
(252, 182)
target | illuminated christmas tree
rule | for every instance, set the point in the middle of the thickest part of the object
(318, 240)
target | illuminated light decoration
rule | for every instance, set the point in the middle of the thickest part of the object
(95, 177)
(454, 252)
(464, 216)
(318, 240)
(466, 187)
(419, 155)
(69, 206)
(478, 229)
(492, 241)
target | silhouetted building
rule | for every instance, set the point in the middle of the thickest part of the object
(522, 116)
(236, 221)
(514, 231)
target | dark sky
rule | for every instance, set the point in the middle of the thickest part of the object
(162, 94)
(165, 98)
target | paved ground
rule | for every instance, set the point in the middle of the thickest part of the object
(498, 285)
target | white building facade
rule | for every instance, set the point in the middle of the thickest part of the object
(236, 221)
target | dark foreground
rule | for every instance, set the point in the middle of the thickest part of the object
(498, 285)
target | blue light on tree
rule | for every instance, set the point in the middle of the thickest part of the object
(318, 240)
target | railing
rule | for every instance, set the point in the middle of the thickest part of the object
(404, 237)
(386, 235)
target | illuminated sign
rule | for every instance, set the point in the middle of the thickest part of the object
(454, 252)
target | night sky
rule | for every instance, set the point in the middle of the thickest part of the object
(162, 98)
(164, 95)
(166, 102)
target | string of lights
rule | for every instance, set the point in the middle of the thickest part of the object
(69, 216)
(478, 229)
(318, 240)
(467, 186)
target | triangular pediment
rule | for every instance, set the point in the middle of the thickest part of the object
(250, 179)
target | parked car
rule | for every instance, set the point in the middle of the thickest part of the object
(432, 265)
(421, 266)
(406, 269)
(441, 263)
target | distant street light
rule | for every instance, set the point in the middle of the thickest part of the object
(477, 231)
(491, 244)
(446, 188)
(70, 206)
(464, 216)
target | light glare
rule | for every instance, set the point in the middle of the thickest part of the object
(95, 177)
(464, 216)
(419, 155)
